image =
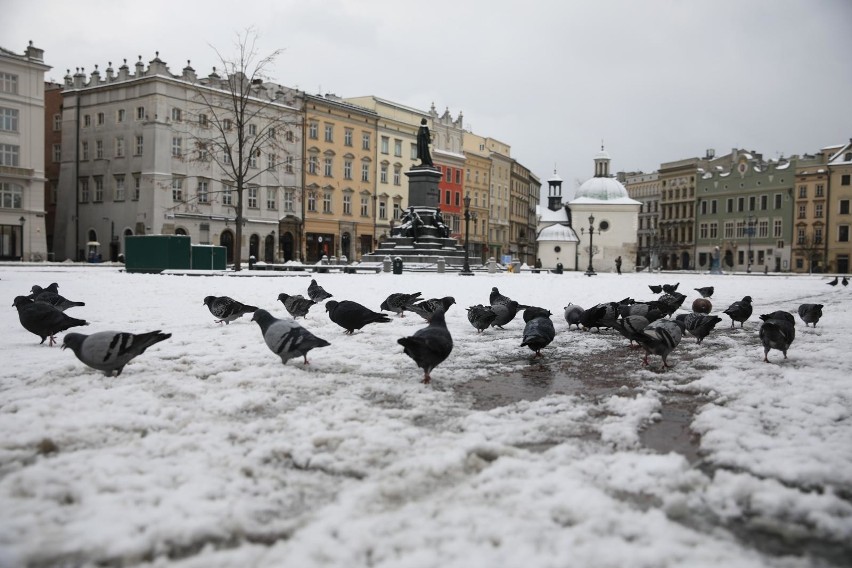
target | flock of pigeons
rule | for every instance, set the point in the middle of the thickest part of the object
(649, 324)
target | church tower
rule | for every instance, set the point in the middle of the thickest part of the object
(554, 192)
(602, 163)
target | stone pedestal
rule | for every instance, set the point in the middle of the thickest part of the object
(423, 186)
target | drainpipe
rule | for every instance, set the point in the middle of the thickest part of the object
(76, 180)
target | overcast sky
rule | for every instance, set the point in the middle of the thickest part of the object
(657, 81)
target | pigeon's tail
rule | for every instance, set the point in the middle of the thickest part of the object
(72, 322)
(76, 304)
(380, 318)
(250, 309)
(146, 340)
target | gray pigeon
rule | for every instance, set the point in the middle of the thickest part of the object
(777, 331)
(810, 313)
(286, 338)
(351, 315)
(652, 310)
(670, 302)
(317, 293)
(480, 317)
(398, 302)
(631, 327)
(505, 308)
(660, 338)
(296, 305)
(539, 331)
(226, 309)
(429, 346)
(698, 325)
(706, 292)
(43, 319)
(739, 311)
(426, 308)
(573, 315)
(61, 303)
(603, 315)
(110, 351)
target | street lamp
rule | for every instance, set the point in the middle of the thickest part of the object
(749, 232)
(591, 270)
(466, 269)
(23, 221)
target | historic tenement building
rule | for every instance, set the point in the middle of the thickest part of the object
(645, 188)
(838, 240)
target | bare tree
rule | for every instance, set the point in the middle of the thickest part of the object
(811, 249)
(246, 126)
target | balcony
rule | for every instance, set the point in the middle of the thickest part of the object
(15, 172)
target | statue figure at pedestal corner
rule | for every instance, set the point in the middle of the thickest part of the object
(439, 222)
(424, 138)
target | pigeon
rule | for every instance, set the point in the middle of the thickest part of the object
(810, 313)
(833, 282)
(592, 317)
(317, 293)
(573, 315)
(286, 338)
(61, 303)
(43, 319)
(652, 310)
(36, 290)
(845, 281)
(660, 338)
(428, 307)
(777, 331)
(706, 292)
(670, 302)
(631, 326)
(480, 317)
(351, 315)
(429, 346)
(670, 288)
(739, 311)
(539, 331)
(655, 288)
(398, 302)
(698, 325)
(226, 309)
(110, 351)
(505, 308)
(296, 305)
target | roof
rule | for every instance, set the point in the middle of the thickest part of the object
(558, 232)
(591, 201)
(549, 216)
(601, 188)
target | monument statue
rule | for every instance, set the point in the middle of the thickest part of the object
(424, 138)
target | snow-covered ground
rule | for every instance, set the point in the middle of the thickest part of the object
(207, 451)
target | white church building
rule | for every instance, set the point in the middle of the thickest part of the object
(600, 206)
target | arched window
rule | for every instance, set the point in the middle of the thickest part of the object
(180, 231)
(226, 239)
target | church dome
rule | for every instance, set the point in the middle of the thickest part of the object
(601, 188)
(558, 233)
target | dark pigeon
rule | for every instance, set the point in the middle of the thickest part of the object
(706, 292)
(426, 308)
(833, 282)
(351, 315)
(670, 302)
(317, 293)
(286, 338)
(505, 307)
(539, 331)
(810, 313)
(61, 303)
(670, 288)
(777, 331)
(631, 326)
(480, 317)
(593, 316)
(110, 351)
(36, 290)
(660, 338)
(573, 315)
(655, 288)
(845, 281)
(429, 346)
(652, 310)
(398, 302)
(43, 319)
(226, 309)
(296, 305)
(698, 325)
(739, 311)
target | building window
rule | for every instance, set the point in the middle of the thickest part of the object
(327, 166)
(449, 175)
(313, 165)
(397, 212)
(177, 115)
(447, 197)
(137, 186)
(729, 229)
(99, 189)
(11, 195)
(777, 201)
(120, 188)
(227, 194)
(347, 169)
(87, 121)
(729, 205)
(820, 190)
(57, 153)
(365, 206)
(313, 130)
(703, 231)
(271, 160)
(764, 202)
(458, 198)
(326, 202)
(817, 235)
(9, 119)
(57, 122)
(777, 228)
(843, 233)
(803, 192)
(713, 207)
(202, 191)
(9, 83)
(140, 113)
(384, 173)
(120, 115)
(101, 119)
(413, 151)
(202, 120)
(252, 197)
(818, 210)
(740, 204)
(84, 190)
(329, 133)
(385, 145)
(119, 147)
(763, 229)
(714, 230)
(365, 171)
(252, 161)
(140, 145)
(845, 179)
(397, 148)
(844, 207)
(703, 208)
(288, 200)
(347, 137)
(312, 201)
(458, 177)
(271, 202)
(252, 130)
(227, 124)
(288, 164)
(347, 204)
(177, 146)
(177, 189)
(397, 171)
(99, 149)
(803, 210)
(383, 210)
(365, 141)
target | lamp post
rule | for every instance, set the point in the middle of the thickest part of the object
(749, 232)
(591, 270)
(466, 268)
(23, 234)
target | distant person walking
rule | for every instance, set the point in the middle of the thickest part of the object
(618, 264)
